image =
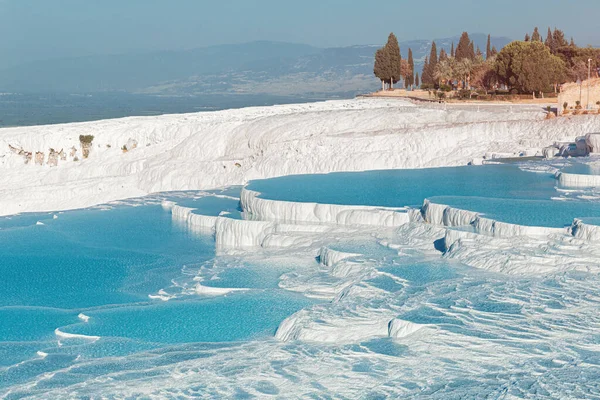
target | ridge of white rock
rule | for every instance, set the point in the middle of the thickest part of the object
(330, 257)
(300, 326)
(216, 149)
(441, 214)
(578, 180)
(211, 291)
(194, 222)
(584, 231)
(274, 210)
(399, 329)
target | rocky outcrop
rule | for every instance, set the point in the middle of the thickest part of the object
(130, 145)
(39, 158)
(52, 158)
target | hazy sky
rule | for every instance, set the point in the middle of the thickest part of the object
(41, 29)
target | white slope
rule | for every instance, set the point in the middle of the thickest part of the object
(216, 149)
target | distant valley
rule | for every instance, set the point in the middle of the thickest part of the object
(266, 68)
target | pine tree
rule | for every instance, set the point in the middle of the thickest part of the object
(411, 65)
(463, 49)
(488, 48)
(550, 41)
(417, 80)
(536, 35)
(452, 50)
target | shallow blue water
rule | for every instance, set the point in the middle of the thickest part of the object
(584, 169)
(105, 263)
(502, 192)
(485, 334)
(398, 188)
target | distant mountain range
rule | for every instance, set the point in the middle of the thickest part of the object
(258, 67)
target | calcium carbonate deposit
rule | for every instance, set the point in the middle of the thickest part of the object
(356, 270)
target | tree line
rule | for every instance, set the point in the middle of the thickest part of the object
(529, 66)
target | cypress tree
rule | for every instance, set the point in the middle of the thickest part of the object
(452, 50)
(572, 44)
(550, 41)
(411, 65)
(463, 48)
(471, 51)
(417, 80)
(426, 78)
(433, 58)
(536, 35)
(559, 38)
(443, 55)
(488, 48)
(392, 50)
(527, 38)
(478, 52)
(381, 67)
(494, 51)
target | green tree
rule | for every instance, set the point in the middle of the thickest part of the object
(488, 47)
(443, 72)
(381, 67)
(406, 72)
(443, 55)
(463, 71)
(417, 83)
(483, 75)
(550, 41)
(528, 67)
(463, 50)
(535, 37)
(392, 50)
(426, 78)
(452, 50)
(387, 62)
(433, 60)
(433, 55)
(411, 66)
(558, 37)
(527, 37)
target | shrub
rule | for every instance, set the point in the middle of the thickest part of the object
(86, 139)
(464, 94)
(445, 88)
(441, 95)
(578, 105)
(565, 106)
(427, 86)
